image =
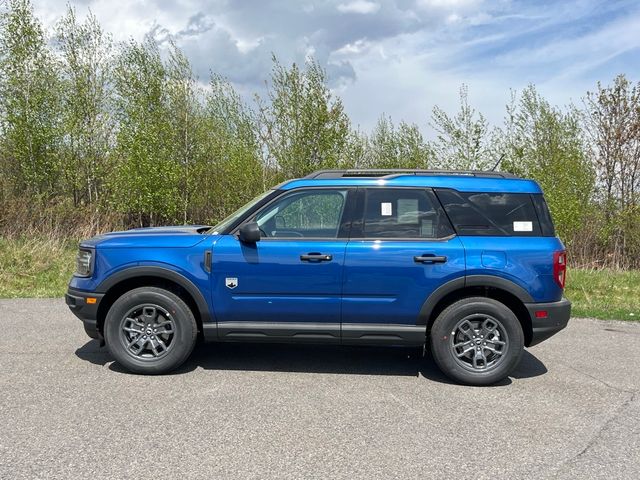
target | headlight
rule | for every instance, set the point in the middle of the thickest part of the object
(84, 263)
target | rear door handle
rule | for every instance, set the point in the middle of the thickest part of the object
(316, 257)
(430, 259)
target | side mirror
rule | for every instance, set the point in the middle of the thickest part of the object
(249, 232)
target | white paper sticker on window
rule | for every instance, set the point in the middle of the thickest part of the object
(426, 228)
(386, 209)
(523, 226)
(408, 210)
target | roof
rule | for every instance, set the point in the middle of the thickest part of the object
(461, 180)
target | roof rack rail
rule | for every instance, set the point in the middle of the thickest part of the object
(394, 172)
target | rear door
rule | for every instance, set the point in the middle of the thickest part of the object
(402, 248)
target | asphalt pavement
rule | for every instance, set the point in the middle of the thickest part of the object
(571, 410)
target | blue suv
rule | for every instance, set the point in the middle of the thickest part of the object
(466, 263)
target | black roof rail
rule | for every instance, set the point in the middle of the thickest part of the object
(394, 172)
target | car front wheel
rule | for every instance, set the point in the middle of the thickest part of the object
(477, 341)
(150, 330)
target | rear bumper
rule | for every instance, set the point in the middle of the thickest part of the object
(557, 317)
(76, 300)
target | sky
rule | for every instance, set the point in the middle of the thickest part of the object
(394, 57)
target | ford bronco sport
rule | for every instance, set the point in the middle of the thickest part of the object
(465, 263)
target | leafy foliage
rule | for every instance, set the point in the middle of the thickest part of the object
(612, 123)
(401, 147)
(30, 105)
(87, 116)
(463, 141)
(302, 126)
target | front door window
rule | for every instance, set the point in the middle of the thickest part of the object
(307, 214)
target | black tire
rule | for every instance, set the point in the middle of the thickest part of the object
(466, 326)
(162, 318)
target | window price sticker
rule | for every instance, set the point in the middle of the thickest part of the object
(523, 226)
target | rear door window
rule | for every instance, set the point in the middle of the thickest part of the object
(491, 214)
(404, 213)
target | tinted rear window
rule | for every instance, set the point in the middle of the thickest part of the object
(493, 214)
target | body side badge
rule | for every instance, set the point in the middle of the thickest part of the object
(231, 282)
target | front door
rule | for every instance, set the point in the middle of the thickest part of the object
(402, 248)
(288, 285)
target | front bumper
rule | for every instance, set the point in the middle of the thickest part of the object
(76, 300)
(557, 317)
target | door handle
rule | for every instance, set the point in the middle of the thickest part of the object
(316, 257)
(430, 259)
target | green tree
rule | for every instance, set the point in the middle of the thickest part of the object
(302, 126)
(612, 124)
(29, 105)
(464, 141)
(87, 115)
(401, 147)
(186, 125)
(355, 154)
(146, 182)
(232, 171)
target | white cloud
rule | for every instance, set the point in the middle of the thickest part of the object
(359, 6)
(353, 48)
(400, 57)
(448, 4)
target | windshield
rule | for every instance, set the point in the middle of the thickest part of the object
(224, 224)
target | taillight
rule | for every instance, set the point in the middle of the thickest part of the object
(560, 268)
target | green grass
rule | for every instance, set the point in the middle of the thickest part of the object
(606, 294)
(42, 268)
(35, 267)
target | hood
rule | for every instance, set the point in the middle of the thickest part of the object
(181, 236)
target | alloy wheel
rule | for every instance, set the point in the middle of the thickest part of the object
(479, 342)
(147, 332)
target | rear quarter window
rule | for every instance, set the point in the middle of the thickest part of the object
(494, 214)
(544, 216)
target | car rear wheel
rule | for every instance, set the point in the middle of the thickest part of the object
(150, 330)
(477, 341)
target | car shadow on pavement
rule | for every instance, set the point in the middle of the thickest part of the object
(335, 359)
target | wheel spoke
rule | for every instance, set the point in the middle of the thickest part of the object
(149, 314)
(132, 330)
(464, 352)
(165, 328)
(154, 349)
(162, 344)
(493, 350)
(489, 327)
(467, 329)
(138, 342)
(479, 359)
